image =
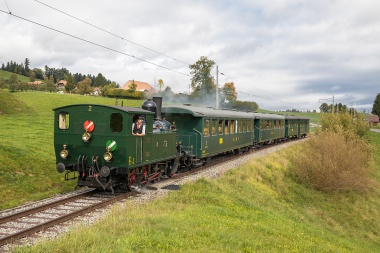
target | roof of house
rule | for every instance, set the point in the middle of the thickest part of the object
(373, 118)
(62, 82)
(35, 82)
(140, 86)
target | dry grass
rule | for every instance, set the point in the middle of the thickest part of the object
(334, 160)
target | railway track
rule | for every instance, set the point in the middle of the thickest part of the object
(32, 220)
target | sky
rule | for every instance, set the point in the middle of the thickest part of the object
(282, 54)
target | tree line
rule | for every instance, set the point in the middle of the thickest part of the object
(204, 90)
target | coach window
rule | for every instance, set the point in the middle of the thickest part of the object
(239, 126)
(226, 126)
(214, 126)
(232, 127)
(220, 128)
(64, 120)
(206, 127)
(116, 122)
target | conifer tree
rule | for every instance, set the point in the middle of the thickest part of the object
(376, 105)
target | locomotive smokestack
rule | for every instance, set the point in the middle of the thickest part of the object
(158, 101)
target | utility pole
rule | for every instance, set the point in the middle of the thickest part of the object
(333, 105)
(217, 90)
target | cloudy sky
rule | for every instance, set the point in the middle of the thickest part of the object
(282, 54)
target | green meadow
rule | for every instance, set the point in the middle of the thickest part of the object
(257, 207)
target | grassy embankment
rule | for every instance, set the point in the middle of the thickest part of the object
(27, 159)
(255, 208)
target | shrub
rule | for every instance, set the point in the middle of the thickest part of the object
(334, 160)
(356, 124)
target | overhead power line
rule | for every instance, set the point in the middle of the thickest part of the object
(113, 34)
(93, 43)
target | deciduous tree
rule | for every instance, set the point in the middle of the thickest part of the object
(229, 91)
(85, 86)
(324, 108)
(202, 81)
(161, 84)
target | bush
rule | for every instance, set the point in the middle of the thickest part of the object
(334, 160)
(356, 124)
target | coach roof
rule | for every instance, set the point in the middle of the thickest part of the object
(206, 112)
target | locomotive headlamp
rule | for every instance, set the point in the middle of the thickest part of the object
(86, 136)
(64, 153)
(107, 156)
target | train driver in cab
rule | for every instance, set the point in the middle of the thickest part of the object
(138, 128)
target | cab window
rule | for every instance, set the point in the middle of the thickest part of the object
(116, 122)
(64, 120)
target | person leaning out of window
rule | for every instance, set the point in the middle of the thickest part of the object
(138, 128)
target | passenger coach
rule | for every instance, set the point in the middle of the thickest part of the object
(206, 132)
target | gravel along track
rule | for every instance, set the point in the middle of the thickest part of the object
(146, 195)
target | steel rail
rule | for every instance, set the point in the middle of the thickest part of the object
(43, 226)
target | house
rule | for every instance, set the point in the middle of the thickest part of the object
(140, 86)
(61, 84)
(96, 91)
(373, 120)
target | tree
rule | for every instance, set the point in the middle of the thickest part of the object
(202, 81)
(85, 86)
(161, 84)
(132, 87)
(2, 83)
(32, 75)
(100, 81)
(70, 85)
(13, 79)
(324, 108)
(376, 105)
(50, 85)
(229, 92)
(39, 73)
(26, 63)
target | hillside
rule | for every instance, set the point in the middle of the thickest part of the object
(6, 75)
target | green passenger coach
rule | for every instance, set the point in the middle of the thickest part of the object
(269, 128)
(206, 132)
(296, 126)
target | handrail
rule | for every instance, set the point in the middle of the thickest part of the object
(200, 135)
